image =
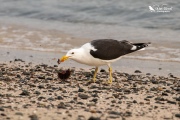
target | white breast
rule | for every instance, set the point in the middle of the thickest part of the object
(86, 58)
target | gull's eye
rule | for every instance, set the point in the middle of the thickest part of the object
(72, 53)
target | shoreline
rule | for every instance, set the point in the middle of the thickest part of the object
(35, 92)
(128, 65)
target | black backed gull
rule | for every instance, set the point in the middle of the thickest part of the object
(102, 52)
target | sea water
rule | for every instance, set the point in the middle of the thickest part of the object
(131, 20)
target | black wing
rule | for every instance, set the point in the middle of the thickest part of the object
(108, 49)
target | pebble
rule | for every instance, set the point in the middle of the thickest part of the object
(1, 109)
(164, 94)
(128, 114)
(81, 103)
(19, 113)
(178, 98)
(49, 78)
(25, 93)
(154, 81)
(83, 96)
(134, 101)
(94, 118)
(34, 117)
(114, 113)
(81, 117)
(102, 70)
(41, 77)
(55, 65)
(137, 71)
(16, 60)
(41, 97)
(59, 97)
(37, 92)
(95, 100)
(51, 99)
(148, 73)
(81, 90)
(149, 96)
(177, 115)
(41, 86)
(171, 102)
(3, 114)
(26, 73)
(61, 105)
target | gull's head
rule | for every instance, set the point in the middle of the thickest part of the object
(71, 54)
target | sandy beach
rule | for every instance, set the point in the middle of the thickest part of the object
(35, 34)
(31, 89)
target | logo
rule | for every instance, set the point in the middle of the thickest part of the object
(160, 8)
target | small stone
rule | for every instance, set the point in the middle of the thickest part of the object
(81, 117)
(148, 73)
(51, 99)
(149, 96)
(178, 98)
(19, 113)
(80, 103)
(137, 71)
(93, 87)
(59, 97)
(49, 78)
(164, 94)
(61, 105)
(1, 109)
(72, 101)
(102, 70)
(114, 112)
(177, 115)
(37, 92)
(154, 81)
(81, 90)
(3, 114)
(41, 77)
(95, 95)
(18, 76)
(159, 99)
(113, 101)
(116, 95)
(113, 117)
(119, 102)
(146, 99)
(55, 65)
(83, 96)
(171, 102)
(155, 107)
(40, 98)
(94, 118)
(41, 86)
(34, 117)
(95, 100)
(128, 114)
(26, 73)
(16, 60)
(134, 101)
(25, 93)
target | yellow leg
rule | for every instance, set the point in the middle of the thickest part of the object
(110, 75)
(95, 73)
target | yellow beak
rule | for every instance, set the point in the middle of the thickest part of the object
(62, 59)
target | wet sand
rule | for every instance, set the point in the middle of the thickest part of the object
(31, 89)
(161, 68)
